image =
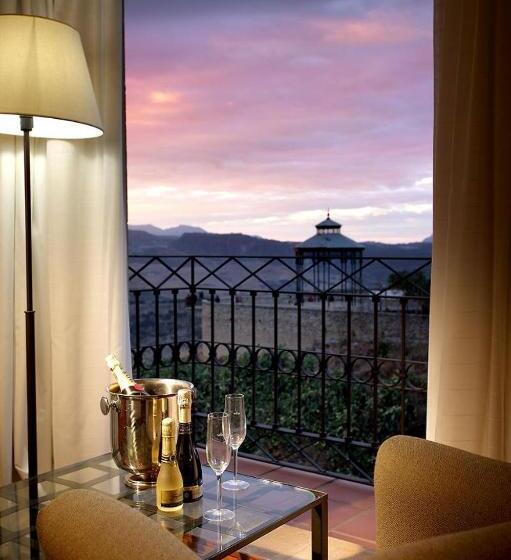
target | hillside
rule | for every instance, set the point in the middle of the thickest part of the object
(232, 244)
(420, 249)
(171, 231)
(237, 244)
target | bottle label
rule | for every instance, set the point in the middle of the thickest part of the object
(192, 493)
(184, 403)
(185, 428)
(185, 415)
(171, 498)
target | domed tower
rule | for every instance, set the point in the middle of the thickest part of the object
(330, 260)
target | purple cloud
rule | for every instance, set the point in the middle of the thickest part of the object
(257, 116)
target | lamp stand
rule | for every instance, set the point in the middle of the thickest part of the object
(26, 125)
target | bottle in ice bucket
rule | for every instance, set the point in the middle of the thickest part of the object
(126, 385)
(169, 484)
(187, 456)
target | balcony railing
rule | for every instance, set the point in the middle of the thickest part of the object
(328, 374)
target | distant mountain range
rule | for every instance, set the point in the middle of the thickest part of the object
(171, 231)
(189, 240)
(231, 244)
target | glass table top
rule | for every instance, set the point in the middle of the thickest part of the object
(259, 509)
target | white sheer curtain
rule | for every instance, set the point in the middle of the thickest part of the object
(80, 260)
(469, 393)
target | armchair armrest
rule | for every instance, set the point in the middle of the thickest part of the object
(487, 543)
(424, 489)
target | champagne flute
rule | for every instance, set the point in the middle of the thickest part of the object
(218, 453)
(235, 407)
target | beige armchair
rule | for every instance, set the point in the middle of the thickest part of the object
(86, 525)
(438, 502)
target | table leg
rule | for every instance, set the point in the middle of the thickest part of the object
(319, 517)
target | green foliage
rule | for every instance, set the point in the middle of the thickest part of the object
(348, 411)
(383, 349)
(416, 284)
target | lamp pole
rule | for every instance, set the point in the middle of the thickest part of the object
(27, 124)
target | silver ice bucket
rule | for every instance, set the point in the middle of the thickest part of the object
(135, 427)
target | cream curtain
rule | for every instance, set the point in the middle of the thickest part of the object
(80, 260)
(469, 394)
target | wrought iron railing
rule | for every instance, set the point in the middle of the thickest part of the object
(328, 374)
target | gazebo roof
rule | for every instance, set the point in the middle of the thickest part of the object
(330, 241)
(328, 223)
(329, 236)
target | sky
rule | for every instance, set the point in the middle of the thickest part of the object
(257, 116)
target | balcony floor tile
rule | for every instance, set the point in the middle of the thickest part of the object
(358, 495)
(299, 478)
(337, 534)
(254, 468)
(337, 513)
(362, 526)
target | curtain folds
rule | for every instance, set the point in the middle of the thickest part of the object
(80, 260)
(469, 391)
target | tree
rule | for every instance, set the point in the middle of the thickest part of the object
(412, 284)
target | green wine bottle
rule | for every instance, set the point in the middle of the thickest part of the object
(187, 456)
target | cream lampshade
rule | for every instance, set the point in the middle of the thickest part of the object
(44, 74)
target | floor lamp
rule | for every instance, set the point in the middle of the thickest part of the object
(46, 92)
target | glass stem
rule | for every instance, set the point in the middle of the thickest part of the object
(219, 491)
(236, 465)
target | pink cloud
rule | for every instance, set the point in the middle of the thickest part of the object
(270, 107)
(374, 30)
(165, 97)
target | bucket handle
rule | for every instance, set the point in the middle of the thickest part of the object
(105, 405)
